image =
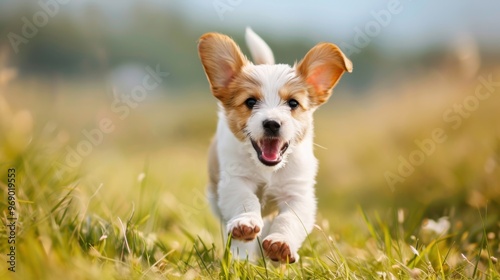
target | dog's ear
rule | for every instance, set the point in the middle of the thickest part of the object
(222, 60)
(322, 68)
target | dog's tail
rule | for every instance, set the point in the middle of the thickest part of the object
(260, 51)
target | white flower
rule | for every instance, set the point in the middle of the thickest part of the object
(414, 250)
(141, 177)
(440, 227)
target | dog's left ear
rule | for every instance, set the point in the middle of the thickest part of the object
(322, 68)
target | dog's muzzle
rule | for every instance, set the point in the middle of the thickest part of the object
(271, 148)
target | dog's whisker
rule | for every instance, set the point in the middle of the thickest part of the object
(318, 145)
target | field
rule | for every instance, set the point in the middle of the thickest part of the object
(408, 187)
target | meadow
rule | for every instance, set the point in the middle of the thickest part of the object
(408, 187)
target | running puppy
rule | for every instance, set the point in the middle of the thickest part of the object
(261, 162)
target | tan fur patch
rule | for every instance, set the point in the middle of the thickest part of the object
(213, 167)
(322, 68)
(222, 60)
(298, 90)
(233, 100)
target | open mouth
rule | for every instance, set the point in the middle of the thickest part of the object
(270, 150)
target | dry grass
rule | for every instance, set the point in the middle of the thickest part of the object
(134, 207)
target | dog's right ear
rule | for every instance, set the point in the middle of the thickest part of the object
(222, 60)
(322, 68)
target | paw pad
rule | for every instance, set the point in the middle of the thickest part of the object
(278, 251)
(245, 233)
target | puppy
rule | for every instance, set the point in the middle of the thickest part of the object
(261, 162)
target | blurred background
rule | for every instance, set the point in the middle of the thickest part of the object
(71, 103)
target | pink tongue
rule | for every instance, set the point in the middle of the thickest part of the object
(270, 149)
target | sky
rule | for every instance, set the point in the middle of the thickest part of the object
(415, 24)
(411, 23)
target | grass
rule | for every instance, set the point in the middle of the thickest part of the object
(134, 207)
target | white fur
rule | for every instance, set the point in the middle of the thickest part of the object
(243, 187)
(290, 184)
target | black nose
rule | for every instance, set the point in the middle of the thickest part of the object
(271, 127)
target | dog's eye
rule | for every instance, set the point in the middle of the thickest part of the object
(293, 103)
(250, 102)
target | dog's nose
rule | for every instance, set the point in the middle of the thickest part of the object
(271, 127)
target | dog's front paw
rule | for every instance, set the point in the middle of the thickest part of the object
(279, 250)
(245, 227)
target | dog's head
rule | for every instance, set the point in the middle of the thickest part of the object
(269, 107)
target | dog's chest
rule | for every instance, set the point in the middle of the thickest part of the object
(268, 200)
